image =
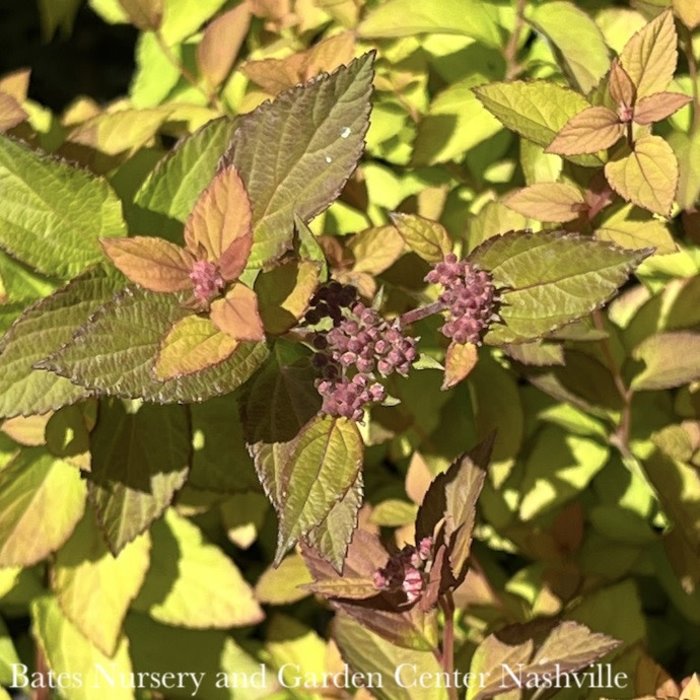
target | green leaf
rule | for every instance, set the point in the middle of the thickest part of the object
(155, 76)
(429, 239)
(181, 176)
(584, 51)
(397, 18)
(558, 467)
(282, 585)
(494, 219)
(301, 175)
(220, 461)
(69, 653)
(538, 296)
(41, 500)
(456, 122)
(650, 56)
(193, 344)
(139, 460)
(115, 353)
(182, 18)
(8, 657)
(671, 359)
(282, 397)
(192, 583)
(687, 150)
(366, 653)
(42, 328)
(332, 536)
(638, 234)
(321, 467)
(536, 110)
(94, 588)
(57, 14)
(648, 176)
(52, 214)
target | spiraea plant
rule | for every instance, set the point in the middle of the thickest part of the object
(405, 321)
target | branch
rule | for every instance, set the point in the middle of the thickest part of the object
(448, 641)
(510, 53)
(693, 73)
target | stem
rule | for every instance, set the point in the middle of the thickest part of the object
(448, 641)
(510, 53)
(42, 668)
(622, 436)
(211, 97)
(694, 79)
(420, 313)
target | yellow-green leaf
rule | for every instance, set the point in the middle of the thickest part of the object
(650, 56)
(237, 314)
(638, 234)
(583, 50)
(429, 239)
(147, 15)
(41, 500)
(590, 131)
(688, 11)
(192, 583)
(284, 584)
(671, 359)
(69, 653)
(648, 176)
(193, 344)
(547, 201)
(95, 588)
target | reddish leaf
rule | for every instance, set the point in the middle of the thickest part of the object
(11, 113)
(460, 360)
(620, 85)
(589, 131)
(147, 15)
(237, 314)
(152, 263)
(659, 106)
(234, 258)
(220, 216)
(547, 201)
(221, 43)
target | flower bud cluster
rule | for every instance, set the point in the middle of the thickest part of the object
(469, 296)
(360, 347)
(329, 302)
(207, 280)
(407, 571)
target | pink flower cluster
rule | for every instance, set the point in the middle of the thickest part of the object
(360, 347)
(406, 571)
(207, 280)
(469, 296)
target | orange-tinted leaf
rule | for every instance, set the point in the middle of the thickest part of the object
(688, 11)
(656, 107)
(11, 113)
(547, 201)
(147, 15)
(192, 344)
(275, 75)
(589, 131)
(237, 314)
(220, 216)
(152, 263)
(16, 83)
(460, 360)
(650, 56)
(221, 43)
(620, 85)
(648, 176)
(233, 260)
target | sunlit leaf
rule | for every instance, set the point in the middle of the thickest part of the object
(52, 214)
(688, 11)
(590, 131)
(429, 239)
(286, 583)
(323, 465)
(547, 201)
(139, 460)
(302, 174)
(152, 263)
(192, 583)
(648, 176)
(94, 588)
(237, 314)
(638, 234)
(650, 56)
(221, 216)
(584, 51)
(459, 362)
(193, 344)
(661, 105)
(220, 44)
(539, 296)
(671, 359)
(41, 499)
